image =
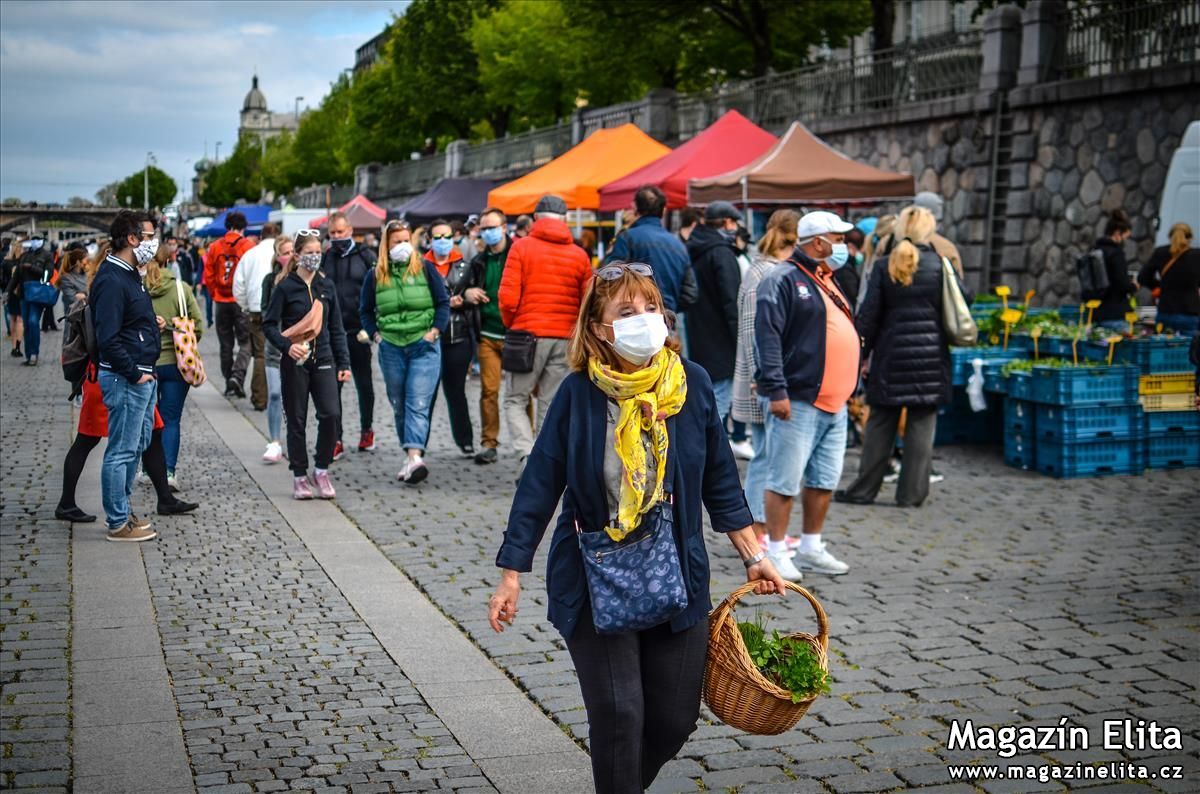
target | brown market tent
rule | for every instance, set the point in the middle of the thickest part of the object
(801, 169)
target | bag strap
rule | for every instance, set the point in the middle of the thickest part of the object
(834, 296)
(1163, 273)
(179, 296)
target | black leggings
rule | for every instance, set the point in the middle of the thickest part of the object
(642, 693)
(297, 383)
(456, 363)
(154, 461)
(360, 370)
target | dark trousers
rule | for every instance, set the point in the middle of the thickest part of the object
(232, 327)
(48, 323)
(258, 351)
(360, 369)
(917, 463)
(456, 363)
(642, 693)
(154, 462)
(298, 382)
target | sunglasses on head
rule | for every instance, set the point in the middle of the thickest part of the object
(394, 225)
(614, 271)
(309, 233)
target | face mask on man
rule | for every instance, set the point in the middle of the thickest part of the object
(492, 235)
(401, 252)
(310, 262)
(35, 245)
(342, 247)
(838, 256)
(441, 247)
(637, 339)
(145, 251)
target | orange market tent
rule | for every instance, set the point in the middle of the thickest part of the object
(578, 173)
(801, 169)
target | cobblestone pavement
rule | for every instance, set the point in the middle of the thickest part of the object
(278, 683)
(1009, 599)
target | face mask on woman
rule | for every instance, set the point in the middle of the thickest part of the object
(400, 252)
(638, 338)
(145, 251)
(310, 262)
(441, 248)
(283, 259)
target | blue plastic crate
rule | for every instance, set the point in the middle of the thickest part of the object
(1116, 385)
(958, 424)
(993, 379)
(1020, 416)
(1159, 422)
(1090, 458)
(1020, 451)
(1173, 451)
(1156, 354)
(961, 359)
(1020, 386)
(1057, 346)
(1087, 422)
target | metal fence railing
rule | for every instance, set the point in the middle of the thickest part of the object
(410, 176)
(317, 196)
(517, 152)
(931, 68)
(1116, 36)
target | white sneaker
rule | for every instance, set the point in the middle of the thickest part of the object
(414, 471)
(792, 542)
(820, 562)
(142, 478)
(742, 450)
(893, 471)
(274, 453)
(172, 481)
(936, 477)
(783, 564)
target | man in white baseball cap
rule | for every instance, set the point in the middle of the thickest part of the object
(808, 352)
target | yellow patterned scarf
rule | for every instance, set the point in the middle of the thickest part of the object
(646, 398)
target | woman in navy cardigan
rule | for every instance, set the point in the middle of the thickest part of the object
(641, 689)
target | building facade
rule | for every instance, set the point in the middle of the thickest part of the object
(256, 119)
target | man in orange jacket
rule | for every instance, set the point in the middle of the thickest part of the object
(540, 292)
(220, 264)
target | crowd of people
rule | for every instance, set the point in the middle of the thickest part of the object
(629, 388)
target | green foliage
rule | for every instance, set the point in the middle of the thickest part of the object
(991, 325)
(792, 664)
(1027, 365)
(131, 190)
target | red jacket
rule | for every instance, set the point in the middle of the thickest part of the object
(217, 279)
(543, 281)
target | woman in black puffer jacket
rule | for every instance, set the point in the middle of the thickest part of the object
(901, 325)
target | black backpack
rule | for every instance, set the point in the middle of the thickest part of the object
(1093, 275)
(79, 345)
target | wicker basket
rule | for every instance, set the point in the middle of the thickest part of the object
(735, 690)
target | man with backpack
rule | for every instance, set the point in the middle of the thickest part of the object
(220, 266)
(1104, 273)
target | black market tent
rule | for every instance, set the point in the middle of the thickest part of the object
(451, 199)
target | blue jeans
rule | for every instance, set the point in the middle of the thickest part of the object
(32, 314)
(130, 423)
(274, 403)
(411, 375)
(808, 448)
(172, 391)
(723, 392)
(756, 473)
(1179, 323)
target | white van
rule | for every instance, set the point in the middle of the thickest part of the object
(1181, 194)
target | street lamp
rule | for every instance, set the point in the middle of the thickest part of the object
(146, 182)
(298, 110)
(217, 155)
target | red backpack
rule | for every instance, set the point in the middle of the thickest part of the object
(229, 255)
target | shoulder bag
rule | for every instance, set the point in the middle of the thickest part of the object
(956, 315)
(637, 583)
(518, 352)
(187, 349)
(40, 293)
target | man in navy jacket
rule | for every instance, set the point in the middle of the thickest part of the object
(127, 334)
(647, 241)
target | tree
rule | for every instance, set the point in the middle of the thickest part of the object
(131, 189)
(237, 177)
(107, 195)
(78, 202)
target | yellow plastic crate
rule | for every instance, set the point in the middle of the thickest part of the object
(1167, 402)
(1175, 383)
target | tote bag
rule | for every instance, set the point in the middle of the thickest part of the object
(187, 350)
(956, 315)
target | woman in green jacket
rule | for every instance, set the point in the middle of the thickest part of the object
(405, 308)
(171, 300)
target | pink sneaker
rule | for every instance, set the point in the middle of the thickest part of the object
(324, 487)
(301, 488)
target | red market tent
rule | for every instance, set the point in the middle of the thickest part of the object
(728, 143)
(801, 169)
(578, 173)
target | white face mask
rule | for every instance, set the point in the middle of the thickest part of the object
(145, 250)
(638, 338)
(401, 252)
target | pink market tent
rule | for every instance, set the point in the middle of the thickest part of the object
(364, 215)
(728, 143)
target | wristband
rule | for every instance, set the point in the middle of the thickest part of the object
(755, 560)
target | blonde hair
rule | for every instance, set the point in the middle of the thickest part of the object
(883, 228)
(280, 241)
(780, 233)
(584, 343)
(383, 269)
(914, 227)
(1181, 238)
(93, 265)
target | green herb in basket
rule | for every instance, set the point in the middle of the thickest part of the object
(791, 664)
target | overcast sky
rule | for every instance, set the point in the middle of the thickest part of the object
(87, 88)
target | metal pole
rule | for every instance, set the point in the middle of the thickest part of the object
(146, 185)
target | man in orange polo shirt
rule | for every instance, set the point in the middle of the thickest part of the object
(808, 351)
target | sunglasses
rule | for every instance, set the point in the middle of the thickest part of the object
(309, 233)
(443, 236)
(394, 225)
(615, 270)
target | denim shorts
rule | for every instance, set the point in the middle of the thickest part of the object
(809, 448)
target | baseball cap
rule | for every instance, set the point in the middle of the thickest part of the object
(930, 201)
(551, 203)
(720, 210)
(817, 223)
